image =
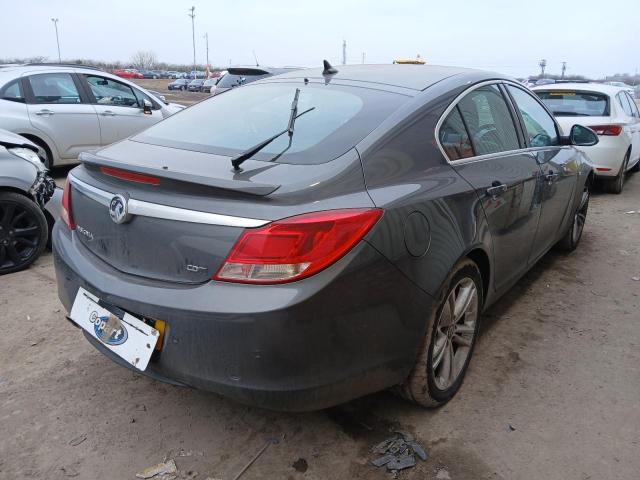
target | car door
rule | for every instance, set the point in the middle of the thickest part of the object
(483, 144)
(635, 129)
(57, 107)
(119, 109)
(559, 165)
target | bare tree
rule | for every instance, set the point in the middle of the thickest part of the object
(145, 59)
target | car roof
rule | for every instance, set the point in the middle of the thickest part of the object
(583, 87)
(20, 70)
(413, 77)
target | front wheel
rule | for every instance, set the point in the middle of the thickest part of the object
(572, 238)
(23, 232)
(450, 338)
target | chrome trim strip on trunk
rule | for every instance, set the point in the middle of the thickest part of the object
(165, 212)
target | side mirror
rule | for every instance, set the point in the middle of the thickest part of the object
(147, 107)
(581, 136)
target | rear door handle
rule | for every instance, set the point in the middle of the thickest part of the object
(108, 113)
(496, 189)
(45, 111)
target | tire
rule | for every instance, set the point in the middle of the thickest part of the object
(571, 239)
(23, 232)
(636, 167)
(447, 348)
(617, 184)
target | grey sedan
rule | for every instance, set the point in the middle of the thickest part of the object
(319, 235)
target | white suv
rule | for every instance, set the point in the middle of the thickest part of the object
(68, 109)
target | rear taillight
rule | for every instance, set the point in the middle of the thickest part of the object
(66, 214)
(296, 247)
(612, 130)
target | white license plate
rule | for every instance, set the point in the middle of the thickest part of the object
(129, 338)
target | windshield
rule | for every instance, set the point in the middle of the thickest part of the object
(575, 103)
(231, 123)
(230, 80)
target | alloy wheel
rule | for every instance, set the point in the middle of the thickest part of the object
(581, 216)
(454, 333)
(19, 235)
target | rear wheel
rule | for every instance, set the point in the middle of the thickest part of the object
(572, 238)
(451, 335)
(617, 184)
(23, 232)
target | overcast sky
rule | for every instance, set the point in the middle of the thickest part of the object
(594, 37)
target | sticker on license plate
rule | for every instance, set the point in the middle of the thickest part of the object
(128, 337)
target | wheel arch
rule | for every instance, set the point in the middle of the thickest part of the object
(44, 143)
(480, 257)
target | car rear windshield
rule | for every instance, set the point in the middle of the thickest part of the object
(235, 121)
(230, 80)
(573, 103)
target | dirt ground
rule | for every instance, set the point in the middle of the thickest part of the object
(552, 392)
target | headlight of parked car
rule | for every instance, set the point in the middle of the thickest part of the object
(29, 155)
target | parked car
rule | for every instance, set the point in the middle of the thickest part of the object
(128, 73)
(174, 74)
(238, 76)
(609, 111)
(195, 85)
(68, 109)
(299, 243)
(179, 84)
(193, 74)
(209, 85)
(150, 74)
(29, 203)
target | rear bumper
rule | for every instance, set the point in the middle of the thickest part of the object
(607, 156)
(353, 329)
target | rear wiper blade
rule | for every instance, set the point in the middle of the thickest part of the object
(239, 159)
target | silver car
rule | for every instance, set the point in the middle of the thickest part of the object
(29, 203)
(66, 109)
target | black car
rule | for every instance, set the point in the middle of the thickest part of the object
(320, 235)
(238, 76)
(179, 84)
(195, 85)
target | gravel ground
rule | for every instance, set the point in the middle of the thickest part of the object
(552, 391)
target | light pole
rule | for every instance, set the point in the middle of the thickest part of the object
(206, 39)
(55, 24)
(564, 69)
(193, 34)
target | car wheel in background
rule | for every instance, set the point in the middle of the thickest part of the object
(572, 238)
(23, 232)
(617, 184)
(636, 167)
(450, 338)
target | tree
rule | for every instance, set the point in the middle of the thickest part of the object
(144, 59)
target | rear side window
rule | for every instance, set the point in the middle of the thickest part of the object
(575, 103)
(489, 121)
(634, 106)
(539, 125)
(12, 91)
(454, 138)
(54, 88)
(624, 103)
(110, 92)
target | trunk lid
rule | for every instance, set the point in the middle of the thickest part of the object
(182, 228)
